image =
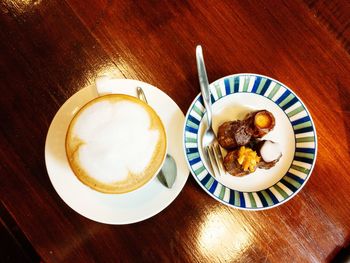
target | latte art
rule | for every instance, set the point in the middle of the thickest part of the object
(116, 143)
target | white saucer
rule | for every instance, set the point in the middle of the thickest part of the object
(108, 208)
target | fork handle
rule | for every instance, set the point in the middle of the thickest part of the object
(204, 84)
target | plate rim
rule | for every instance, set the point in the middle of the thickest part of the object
(315, 147)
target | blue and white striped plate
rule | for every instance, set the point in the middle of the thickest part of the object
(233, 97)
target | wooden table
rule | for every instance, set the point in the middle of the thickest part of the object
(51, 49)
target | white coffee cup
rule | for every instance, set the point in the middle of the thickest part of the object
(116, 144)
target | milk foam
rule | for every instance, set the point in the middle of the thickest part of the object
(117, 140)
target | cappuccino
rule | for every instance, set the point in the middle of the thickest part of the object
(116, 143)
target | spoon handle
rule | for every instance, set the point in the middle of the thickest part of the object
(141, 95)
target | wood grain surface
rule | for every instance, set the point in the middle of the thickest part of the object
(51, 49)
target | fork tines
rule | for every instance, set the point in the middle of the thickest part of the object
(215, 159)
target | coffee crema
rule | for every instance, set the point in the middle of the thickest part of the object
(116, 143)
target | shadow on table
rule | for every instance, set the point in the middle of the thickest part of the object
(341, 257)
(340, 254)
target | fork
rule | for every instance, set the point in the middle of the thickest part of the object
(209, 141)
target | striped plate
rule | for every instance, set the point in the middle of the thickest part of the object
(232, 98)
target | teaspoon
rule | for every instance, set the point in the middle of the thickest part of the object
(167, 174)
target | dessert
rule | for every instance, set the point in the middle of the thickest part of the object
(245, 150)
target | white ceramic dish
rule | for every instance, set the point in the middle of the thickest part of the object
(113, 208)
(232, 98)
